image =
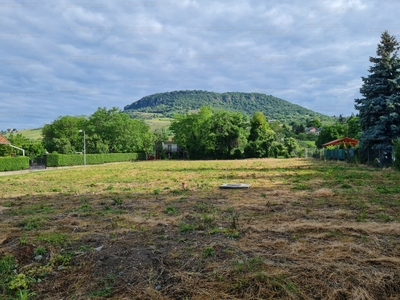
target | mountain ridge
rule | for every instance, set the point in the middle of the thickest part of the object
(170, 103)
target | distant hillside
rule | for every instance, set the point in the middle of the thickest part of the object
(170, 103)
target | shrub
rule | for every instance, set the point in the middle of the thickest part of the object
(14, 163)
(61, 160)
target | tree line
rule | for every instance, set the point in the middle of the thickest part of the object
(225, 134)
(106, 131)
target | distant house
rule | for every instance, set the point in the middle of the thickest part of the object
(3, 140)
(312, 130)
(12, 130)
(170, 148)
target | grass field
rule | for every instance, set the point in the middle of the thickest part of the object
(306, 229)
(33, 134)
(158, 123)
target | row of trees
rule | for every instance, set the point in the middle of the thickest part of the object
(224, 134)
(107, 131)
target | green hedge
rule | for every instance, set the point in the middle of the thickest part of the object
(14, 163)
(62, 160)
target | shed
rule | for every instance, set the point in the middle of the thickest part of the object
(344, 141)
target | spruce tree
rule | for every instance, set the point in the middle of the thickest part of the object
(379, 110)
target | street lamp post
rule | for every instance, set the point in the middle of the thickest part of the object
(84, 146)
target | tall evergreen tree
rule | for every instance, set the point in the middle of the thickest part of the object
(379, 110)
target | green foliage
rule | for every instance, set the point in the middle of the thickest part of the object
(106, 131)
(7, 265)
(59, 160)
(19, 282)
(171, 210)
(119, 132)
(106, 285)
(40, 251)
(184, 227)
(330, 133)
(63, 136)
(379, 110)
(171, 103)
(14, 163)
(221, 134)
(209, 251)
(53, 238)
(31, 222)
(190, 131)
(32, 148)
(290, 144)
(354, 128)
(261, 136)
(313, 123)
(227, 132)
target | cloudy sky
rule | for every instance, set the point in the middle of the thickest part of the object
(69, 58)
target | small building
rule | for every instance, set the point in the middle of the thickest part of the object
(172, 149)
(345, 142)
(312, 130)
(3, 140)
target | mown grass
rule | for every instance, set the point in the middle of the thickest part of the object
(129, 230)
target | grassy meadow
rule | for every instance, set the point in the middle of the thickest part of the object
(32, 134)
(306, 229)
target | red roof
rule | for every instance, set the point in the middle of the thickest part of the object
(3, 140)
(346, 140)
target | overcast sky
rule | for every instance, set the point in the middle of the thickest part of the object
(69, 58)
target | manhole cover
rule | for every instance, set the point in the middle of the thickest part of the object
(234, 186)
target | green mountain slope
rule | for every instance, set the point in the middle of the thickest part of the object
(170, 103)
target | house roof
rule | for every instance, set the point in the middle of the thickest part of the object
(3, 140)
(345, 140)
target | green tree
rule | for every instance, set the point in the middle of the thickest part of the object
(62, 134)
(227, 135)
(118, 131)
(379, 109)
(261, 136)
(313, 123)
(330, 133)
(291, 145)
(297, 127)
(191, 132)
(354, 128)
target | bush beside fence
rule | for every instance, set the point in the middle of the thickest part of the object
(63, 160)
(14, 163)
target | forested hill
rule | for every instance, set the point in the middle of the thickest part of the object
(170, 103)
